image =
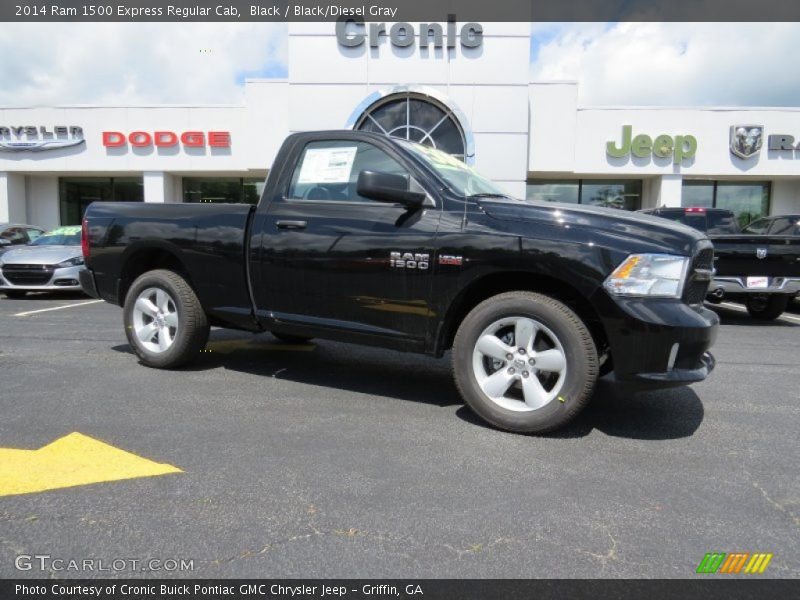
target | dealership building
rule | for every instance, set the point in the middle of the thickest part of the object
(462, 87)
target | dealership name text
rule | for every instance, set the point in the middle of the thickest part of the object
(184, 589)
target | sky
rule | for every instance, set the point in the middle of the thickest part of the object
(622, 64)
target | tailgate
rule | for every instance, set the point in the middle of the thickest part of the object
(771, 256)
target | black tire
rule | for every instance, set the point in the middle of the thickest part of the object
(15, 294)
(767, 308)
(191, 334)
(291, 339)
(579, 353)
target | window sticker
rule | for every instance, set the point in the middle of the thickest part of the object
(327, 165)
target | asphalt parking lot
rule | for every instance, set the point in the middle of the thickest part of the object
(328, 460)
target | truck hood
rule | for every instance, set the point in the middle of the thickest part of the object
(40, 255)
(610, 221)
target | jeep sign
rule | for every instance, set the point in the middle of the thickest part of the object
(679, 147)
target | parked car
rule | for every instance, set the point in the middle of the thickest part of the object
(363, 238)
(761, 271)
(50, 262)
(13, 235)
(775, 225)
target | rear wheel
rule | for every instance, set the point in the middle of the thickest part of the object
(15, 294)
(164, 322)
(525, 362)
(292, 339)
(767, 307)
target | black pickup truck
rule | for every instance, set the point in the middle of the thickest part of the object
(760, 270)
(362, 238)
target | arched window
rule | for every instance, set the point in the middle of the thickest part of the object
(415, 117)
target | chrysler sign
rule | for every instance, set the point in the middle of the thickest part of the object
(33, 138)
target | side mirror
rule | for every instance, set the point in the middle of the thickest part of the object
(388, 187)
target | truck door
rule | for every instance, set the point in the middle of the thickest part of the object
(335, 260)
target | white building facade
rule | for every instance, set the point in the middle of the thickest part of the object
(461, 87)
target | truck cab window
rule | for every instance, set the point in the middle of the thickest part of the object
(329, 170)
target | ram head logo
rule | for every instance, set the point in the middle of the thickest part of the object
(746, 140)
(761, 253)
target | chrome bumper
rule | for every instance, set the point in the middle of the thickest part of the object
(720, 286)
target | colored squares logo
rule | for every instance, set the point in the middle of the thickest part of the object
(735, 562)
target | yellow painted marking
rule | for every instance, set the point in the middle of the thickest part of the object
(74, 459)
(562, 399)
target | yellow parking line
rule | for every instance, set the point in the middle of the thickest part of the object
(41, 310)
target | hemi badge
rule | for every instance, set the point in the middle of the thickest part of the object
(448, 259)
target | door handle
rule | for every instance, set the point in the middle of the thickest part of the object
(291, 224)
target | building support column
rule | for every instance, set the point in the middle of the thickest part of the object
(159, 187)
(12, 198)
(670, 190)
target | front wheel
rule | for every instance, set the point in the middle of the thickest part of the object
(164, 322)
(525, 362)
(767, 307)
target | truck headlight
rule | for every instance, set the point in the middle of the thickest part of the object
(654, 275)
(71, 262)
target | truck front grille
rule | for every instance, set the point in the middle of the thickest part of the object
(697, 285)
(28, 274)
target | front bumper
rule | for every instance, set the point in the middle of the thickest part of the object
(722, 286)
(60, 279)
(658, 343)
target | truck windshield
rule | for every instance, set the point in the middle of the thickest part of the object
(460, 178)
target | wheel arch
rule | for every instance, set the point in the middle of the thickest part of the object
(511, 281)
(139, 260)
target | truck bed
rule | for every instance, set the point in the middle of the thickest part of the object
(206, 238)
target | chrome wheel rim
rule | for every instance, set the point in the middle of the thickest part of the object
(155, 320)
(519, 364)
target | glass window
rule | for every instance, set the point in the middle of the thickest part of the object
(462, 179)
(15, 235)
(785, 226)
(612, 194)
(757, 227)
(329, 170)
(231, 190)
(697, 193)
(418, 119)
(76, 193)
(721, 223)
(748, 201)
(33, 233)
(548, 190)
(61, 236)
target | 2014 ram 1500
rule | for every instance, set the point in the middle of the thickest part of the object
(362, 238)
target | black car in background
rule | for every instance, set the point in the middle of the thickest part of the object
(777, 225)
(759, 266)
(13, 235)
